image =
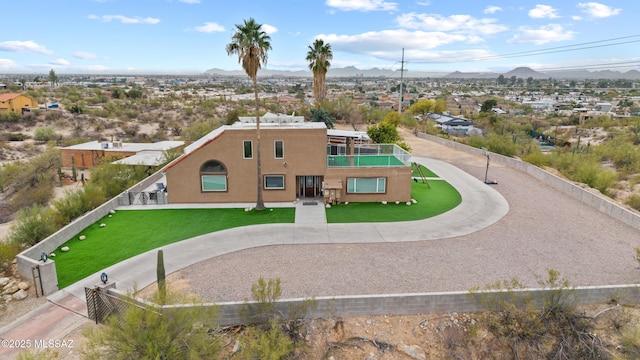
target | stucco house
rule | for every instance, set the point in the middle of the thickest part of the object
(297, 161)
(94, 153)
(13, 102)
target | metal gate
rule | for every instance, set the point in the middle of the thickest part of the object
(101, 305)
(143, 198)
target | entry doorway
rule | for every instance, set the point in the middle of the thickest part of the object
(309, 186)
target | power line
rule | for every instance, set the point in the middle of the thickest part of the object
(595, 66)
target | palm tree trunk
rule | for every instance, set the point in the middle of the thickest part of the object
(259, 201)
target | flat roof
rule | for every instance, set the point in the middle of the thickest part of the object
(134, 147)
(145, 157)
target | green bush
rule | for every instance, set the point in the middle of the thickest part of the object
(502, 145)
(76, 203)
(148, 332)
(8, 251)
(45, 133)
(536, 158)
(271, 344)
(33, 225)
(476, 141)
(634, 201)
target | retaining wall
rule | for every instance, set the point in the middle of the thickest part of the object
(599, 202)
(411, 304)
(30, 258)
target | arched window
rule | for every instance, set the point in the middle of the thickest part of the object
(213, 176)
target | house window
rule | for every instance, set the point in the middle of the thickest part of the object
(279, 149)
(366, 185)
(274, 181)
(247, 146)
(214, 183)
(213, 176)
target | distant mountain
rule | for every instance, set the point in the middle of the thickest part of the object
(520, 72)
(525, 72)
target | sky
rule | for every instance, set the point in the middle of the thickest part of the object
(190, 36)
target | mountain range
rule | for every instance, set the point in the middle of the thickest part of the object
(520, 72)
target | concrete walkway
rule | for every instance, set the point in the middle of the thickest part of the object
(481, 207)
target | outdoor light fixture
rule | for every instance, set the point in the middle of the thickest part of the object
(43, 257)
(104, 278)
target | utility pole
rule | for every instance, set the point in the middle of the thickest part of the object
(401, 75)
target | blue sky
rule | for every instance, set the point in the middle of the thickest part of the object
(189, 36)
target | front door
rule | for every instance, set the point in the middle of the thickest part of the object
(309, 186)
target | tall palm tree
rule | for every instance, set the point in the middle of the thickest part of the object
(251, 44)
(318, 57)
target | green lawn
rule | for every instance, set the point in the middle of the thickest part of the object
(427, 173)
(132, 232)
(438, 199)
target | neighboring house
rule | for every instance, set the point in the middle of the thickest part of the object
(94, 153)
(297, 161)
(450, 123)
(13, 102)
(603, 107)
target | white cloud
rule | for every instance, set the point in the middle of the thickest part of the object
(362, 5)
(84, 55)
(597, 10)
(125, 20)
(59, 62)
(190, 1)
(423, 3)
(269, 29)
(24, 46)
(542, 35)
(455, 23)
(382, 43)
(543, 12)
(7, 64)
(491, 9)
(210, 27)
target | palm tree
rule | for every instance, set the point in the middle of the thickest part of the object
(251, 44)
(318, 57)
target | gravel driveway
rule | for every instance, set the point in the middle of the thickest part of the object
(544, 229)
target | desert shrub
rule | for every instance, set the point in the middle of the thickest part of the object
(45, 133)
(549, 329)
(536, 158)
(270, 344)
(634, 201)
(36, 195)
(150, 332)
(76, 203)
(197, 130)
(8, 251)
(476, 141)
(34, 224)
(53, 115)
(116, 178)
(14, 137)
(502, 145)
(630, 343)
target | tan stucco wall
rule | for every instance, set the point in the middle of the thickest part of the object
(398, 183)
(304, 154)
